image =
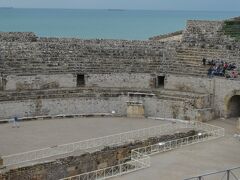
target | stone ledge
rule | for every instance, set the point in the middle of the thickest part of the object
(32, 118)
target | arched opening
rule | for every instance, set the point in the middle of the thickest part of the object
(234, 106)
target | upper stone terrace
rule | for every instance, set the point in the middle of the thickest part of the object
(52, 55)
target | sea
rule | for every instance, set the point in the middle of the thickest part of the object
(101, 24)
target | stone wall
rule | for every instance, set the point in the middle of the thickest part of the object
(41, 81)
(84, 105)
(176, 109)
(98, 103)
(136, 80)
(14, 82)
(221, 89)
(168, 108)
(189, 84)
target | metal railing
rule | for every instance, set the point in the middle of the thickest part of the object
(229, 174)
(95, 143)
(138, 161)
(174, 144)
(140, 157)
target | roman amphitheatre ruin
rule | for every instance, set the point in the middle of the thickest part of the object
(120, 109)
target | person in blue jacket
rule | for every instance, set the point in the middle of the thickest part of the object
(16, 122)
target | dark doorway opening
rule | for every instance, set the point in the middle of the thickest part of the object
(234, 106)
(160, 81)
(80, 80)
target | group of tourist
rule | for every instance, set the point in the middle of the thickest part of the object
(220, 68)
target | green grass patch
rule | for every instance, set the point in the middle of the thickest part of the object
(232, 28)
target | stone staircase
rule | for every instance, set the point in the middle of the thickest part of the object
(189, 60)
(198, 100)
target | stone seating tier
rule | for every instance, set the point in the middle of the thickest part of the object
(38, 57)
(105, 92)
(189, 60)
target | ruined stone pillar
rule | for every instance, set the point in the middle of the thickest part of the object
(135, 109)
(1, 161)
(238, 123)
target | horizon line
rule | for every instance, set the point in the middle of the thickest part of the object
(117, 9)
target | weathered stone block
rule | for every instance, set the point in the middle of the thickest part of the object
(72, 171)
(102, 165)
(135, 109)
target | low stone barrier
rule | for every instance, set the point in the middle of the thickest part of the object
(87, 162)
(108, 156)
(3, 121)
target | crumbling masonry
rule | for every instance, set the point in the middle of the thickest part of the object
(50, 76)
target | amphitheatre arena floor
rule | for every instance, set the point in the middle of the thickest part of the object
(47, 133)
(177, 164)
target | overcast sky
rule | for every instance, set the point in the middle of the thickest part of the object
(216, 5)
